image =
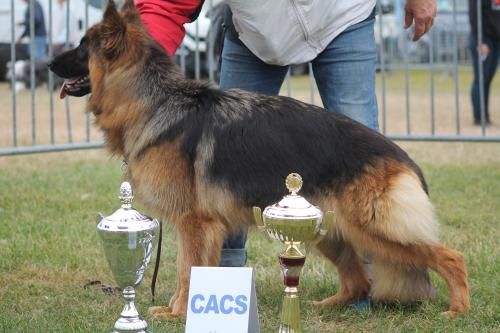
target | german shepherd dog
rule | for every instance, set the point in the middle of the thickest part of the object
(201, 158)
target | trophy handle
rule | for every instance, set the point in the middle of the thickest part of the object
(257, 215)
(100, 216)
(325, 227)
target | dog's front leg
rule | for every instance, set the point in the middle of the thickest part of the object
(200, 241)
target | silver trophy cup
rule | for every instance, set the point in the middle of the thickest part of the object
(128, 238)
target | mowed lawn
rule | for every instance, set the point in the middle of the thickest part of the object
(49, 249)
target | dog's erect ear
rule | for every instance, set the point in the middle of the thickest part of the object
(128, 5)
(110, 12)
(113, 31)
(129, 12)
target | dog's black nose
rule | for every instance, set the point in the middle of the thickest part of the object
(50, 64)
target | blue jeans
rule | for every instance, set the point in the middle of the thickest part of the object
(345, 76)
(489, 69)
(40, 48)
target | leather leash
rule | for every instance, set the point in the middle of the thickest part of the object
(157, 263)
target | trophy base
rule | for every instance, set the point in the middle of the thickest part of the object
(130, 321)
(131, 325)
(288, 329)
(290, 313)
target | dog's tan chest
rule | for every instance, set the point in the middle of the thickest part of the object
(163, 181)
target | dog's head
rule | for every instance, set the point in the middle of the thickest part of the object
(104, 47)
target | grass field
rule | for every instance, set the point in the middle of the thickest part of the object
(50, 249)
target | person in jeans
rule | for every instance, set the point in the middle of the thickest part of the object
(488, 53)
(40, 37)
(263, 38)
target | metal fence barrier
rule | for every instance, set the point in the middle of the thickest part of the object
(35, 123)
(422, 88)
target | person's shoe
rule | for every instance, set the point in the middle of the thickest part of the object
(361, 305)
(477, 122)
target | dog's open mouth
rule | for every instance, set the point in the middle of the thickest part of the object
(75, 87)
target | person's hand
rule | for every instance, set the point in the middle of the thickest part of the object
(423, 13)
(485, 50)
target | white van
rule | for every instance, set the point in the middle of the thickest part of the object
(77, 21)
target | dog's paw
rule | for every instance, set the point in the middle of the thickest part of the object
(159, 313)
(325, 303)
(449, 314)
(337, 299)
(317, 304)
(176, 315)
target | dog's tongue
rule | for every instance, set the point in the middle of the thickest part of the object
(62, 92)
(68, 83)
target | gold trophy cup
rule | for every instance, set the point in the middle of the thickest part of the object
(296, 223)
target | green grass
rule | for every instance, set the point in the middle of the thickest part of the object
(49, 250)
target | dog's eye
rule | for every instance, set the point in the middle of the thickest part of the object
(82, 51)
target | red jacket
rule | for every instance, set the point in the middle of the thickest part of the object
(164, 19)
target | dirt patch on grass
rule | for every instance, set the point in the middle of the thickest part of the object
(34, 115)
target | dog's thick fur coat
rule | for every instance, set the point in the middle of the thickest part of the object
(200, 158)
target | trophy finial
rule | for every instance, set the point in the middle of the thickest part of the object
(126, 195)
(293, 183)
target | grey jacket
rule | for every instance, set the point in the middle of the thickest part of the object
(283, 32)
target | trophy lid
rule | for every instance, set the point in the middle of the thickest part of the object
(126, 218)
(293, 206)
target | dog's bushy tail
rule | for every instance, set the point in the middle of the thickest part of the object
(406, 216)
(402, 283)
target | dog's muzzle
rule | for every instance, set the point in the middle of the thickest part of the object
(77, 87)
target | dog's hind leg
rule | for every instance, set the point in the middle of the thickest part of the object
(398, 226)
(200, 241)
(354, 284)
(450, 265)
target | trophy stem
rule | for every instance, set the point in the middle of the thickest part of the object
(130, 321)
(291, 261)
(290, 313)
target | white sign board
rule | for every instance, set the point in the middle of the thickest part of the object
(222, 300)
